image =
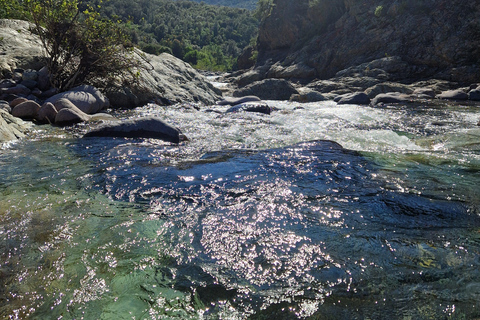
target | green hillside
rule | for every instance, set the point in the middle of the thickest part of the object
(206, 36)
(245, 4)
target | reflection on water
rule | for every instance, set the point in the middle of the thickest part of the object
(255, 217)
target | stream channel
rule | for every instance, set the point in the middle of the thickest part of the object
(316, 211)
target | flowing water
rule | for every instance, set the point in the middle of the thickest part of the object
(257, 216)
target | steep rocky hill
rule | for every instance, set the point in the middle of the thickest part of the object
(420, 39)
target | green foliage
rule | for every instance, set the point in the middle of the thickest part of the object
(264, 9)
(11, 9)
(81, 46)
(245, 4)
(186, 27)
(378, 11)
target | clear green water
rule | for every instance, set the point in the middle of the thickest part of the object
(254, 217)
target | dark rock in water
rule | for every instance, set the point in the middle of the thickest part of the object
(354, 98)
(259, 107)
(232, 101)
(307, 95)
(269, 89)
(474, 95)
(392, 97)
(148, 127)
(453, 95)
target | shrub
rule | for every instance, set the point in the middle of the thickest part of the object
(81, 46)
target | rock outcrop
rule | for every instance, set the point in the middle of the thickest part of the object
(11, 128)
(322, 39)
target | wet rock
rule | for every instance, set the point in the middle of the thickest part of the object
(354, 98)
(474, 95)
(453, 95)
(392, 97)
(148, 127)
(68, 116)
(237, 100)
(259, 107)
(306, 95)
(268, 89)
(424, 93)
(387, 87)
(26, 110)
(47, 113)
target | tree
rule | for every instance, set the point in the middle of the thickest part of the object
(81, 46)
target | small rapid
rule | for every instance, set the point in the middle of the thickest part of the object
(315, 211)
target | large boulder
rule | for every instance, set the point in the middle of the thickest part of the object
(268, 89)
(147, 127)
(26, 110)
(86, 98)
(11, 128)
(166, 80)
(19, 47)
(68, 116)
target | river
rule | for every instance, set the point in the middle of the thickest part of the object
(316, 211)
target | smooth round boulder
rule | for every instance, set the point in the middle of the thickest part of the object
(26, 110)
(354, 98)
(15, 102)
(147, 127)
(268, 89)
(47, 113)
(392, 97)
(453, 95)
(305, 96)
(68, 116)
(63, 103)
(84, 101)
(424, 92)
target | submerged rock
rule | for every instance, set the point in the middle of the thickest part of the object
(354, 98)
(269, 89)
(259, 107)
(148, 127)
(232, 101)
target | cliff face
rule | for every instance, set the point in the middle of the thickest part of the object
(319, 38)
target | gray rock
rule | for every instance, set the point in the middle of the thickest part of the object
(307, 95)
(148, 127)
(268, 89)
(20, 48)
(47, 113)
(453, 95)
(5, 106)
(30, 75)
(387, 87)
(11, 128)
(424, 92)
(167, 78)
(237, 100)
(7, 83)
(30, 84)
(85, 101)
(44, 79)
(68, 116)
(354, 98)
(19, 89)
(26, 110)
(259, 107)
(392, 97)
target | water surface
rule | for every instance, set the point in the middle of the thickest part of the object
(316, 211)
